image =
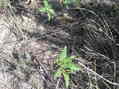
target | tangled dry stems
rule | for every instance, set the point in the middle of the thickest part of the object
(26, 59)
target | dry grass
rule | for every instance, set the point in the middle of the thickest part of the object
(29, 47)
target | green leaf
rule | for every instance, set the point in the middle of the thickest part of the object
(67, 60)
(47, 9)
(66, 66)
(46, 4)
(72, 57)
(67, 79)
(52, 12)
(49, 16)
(58, 73)
(71, 1)
(74, 67)
(42, 9)
(68, 2)
(63, 54)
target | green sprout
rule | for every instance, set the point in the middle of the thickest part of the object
(47, 9)
(66, 3)
(66, 67)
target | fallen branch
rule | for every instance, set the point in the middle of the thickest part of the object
(97, 75)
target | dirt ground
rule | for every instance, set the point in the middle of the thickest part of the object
(29, 45)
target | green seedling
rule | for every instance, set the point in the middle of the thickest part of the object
(66, 66)
(47, 9)
(66, 3)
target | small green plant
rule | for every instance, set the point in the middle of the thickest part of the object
(47, 9)
(66, 66)
(66, 3)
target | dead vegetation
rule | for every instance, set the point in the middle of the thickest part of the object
(29, 45)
